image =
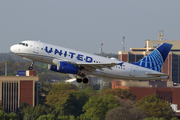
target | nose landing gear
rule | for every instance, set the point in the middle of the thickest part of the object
(31, 66)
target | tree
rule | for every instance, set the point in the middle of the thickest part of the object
(58, 96)
(124, 94)
(174, 118)
(33, 113)
(137, 113)
(75, 103)
(89, 91)
(21, 110)
(120, 113)
(97, 107)
(13, 116)
(82, 86)
(82, 117)
(155, 107)
(57, 100)
(47, 117)
(66, 117)
(126, 103)
(62, 86)
(1, 106)
(3, 115)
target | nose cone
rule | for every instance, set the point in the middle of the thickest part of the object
(13, 48)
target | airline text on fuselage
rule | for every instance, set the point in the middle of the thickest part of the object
(71, 54)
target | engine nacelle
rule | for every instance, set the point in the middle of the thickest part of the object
(64, 67)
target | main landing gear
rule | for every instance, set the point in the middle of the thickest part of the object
(31, 66)
(84, 80)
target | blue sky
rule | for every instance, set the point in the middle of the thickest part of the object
(85, 24)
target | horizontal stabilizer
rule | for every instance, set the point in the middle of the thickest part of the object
(156, 74)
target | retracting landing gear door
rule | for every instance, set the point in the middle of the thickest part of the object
(36, 48)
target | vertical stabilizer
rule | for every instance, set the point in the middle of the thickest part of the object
(156, 58)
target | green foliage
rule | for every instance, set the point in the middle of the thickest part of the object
(43, 92)
(123, 94)
(97, 107)
(66, 117)
(155, 107)
(3, 115)
(32, 113)
(82, 86)
(62, 86)
(126, 103)
(120, 113)
(21, 110)
(82, 117)
(13, 116)
(154, 119)
(58, 96)
(47, 117)
(174, 118)
(1, 106)
(137, 113)
(89, 91)
(75, 103)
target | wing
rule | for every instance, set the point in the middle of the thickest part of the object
(93, 66)
(90, 67)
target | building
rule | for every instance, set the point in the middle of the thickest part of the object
(171, 65)
(17, 89)
(170, 94)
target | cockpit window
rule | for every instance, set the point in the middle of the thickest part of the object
(24, 44)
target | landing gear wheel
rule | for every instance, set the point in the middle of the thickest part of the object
(78, 80)
(30, 68)
(85, 80)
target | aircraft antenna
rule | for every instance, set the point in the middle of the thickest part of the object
(101, 48)
(123, 49)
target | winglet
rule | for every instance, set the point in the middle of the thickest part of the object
(155, 59)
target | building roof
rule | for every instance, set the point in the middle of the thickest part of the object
(150, 45)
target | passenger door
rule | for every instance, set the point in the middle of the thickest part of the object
(36, 48)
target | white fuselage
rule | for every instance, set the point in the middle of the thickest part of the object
(50, 54)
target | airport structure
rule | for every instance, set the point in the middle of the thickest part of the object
(17, 89)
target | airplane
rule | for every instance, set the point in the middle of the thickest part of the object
(81, 64)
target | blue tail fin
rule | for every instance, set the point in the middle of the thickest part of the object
(156, 58)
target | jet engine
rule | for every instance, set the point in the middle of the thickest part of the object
(64, 67)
